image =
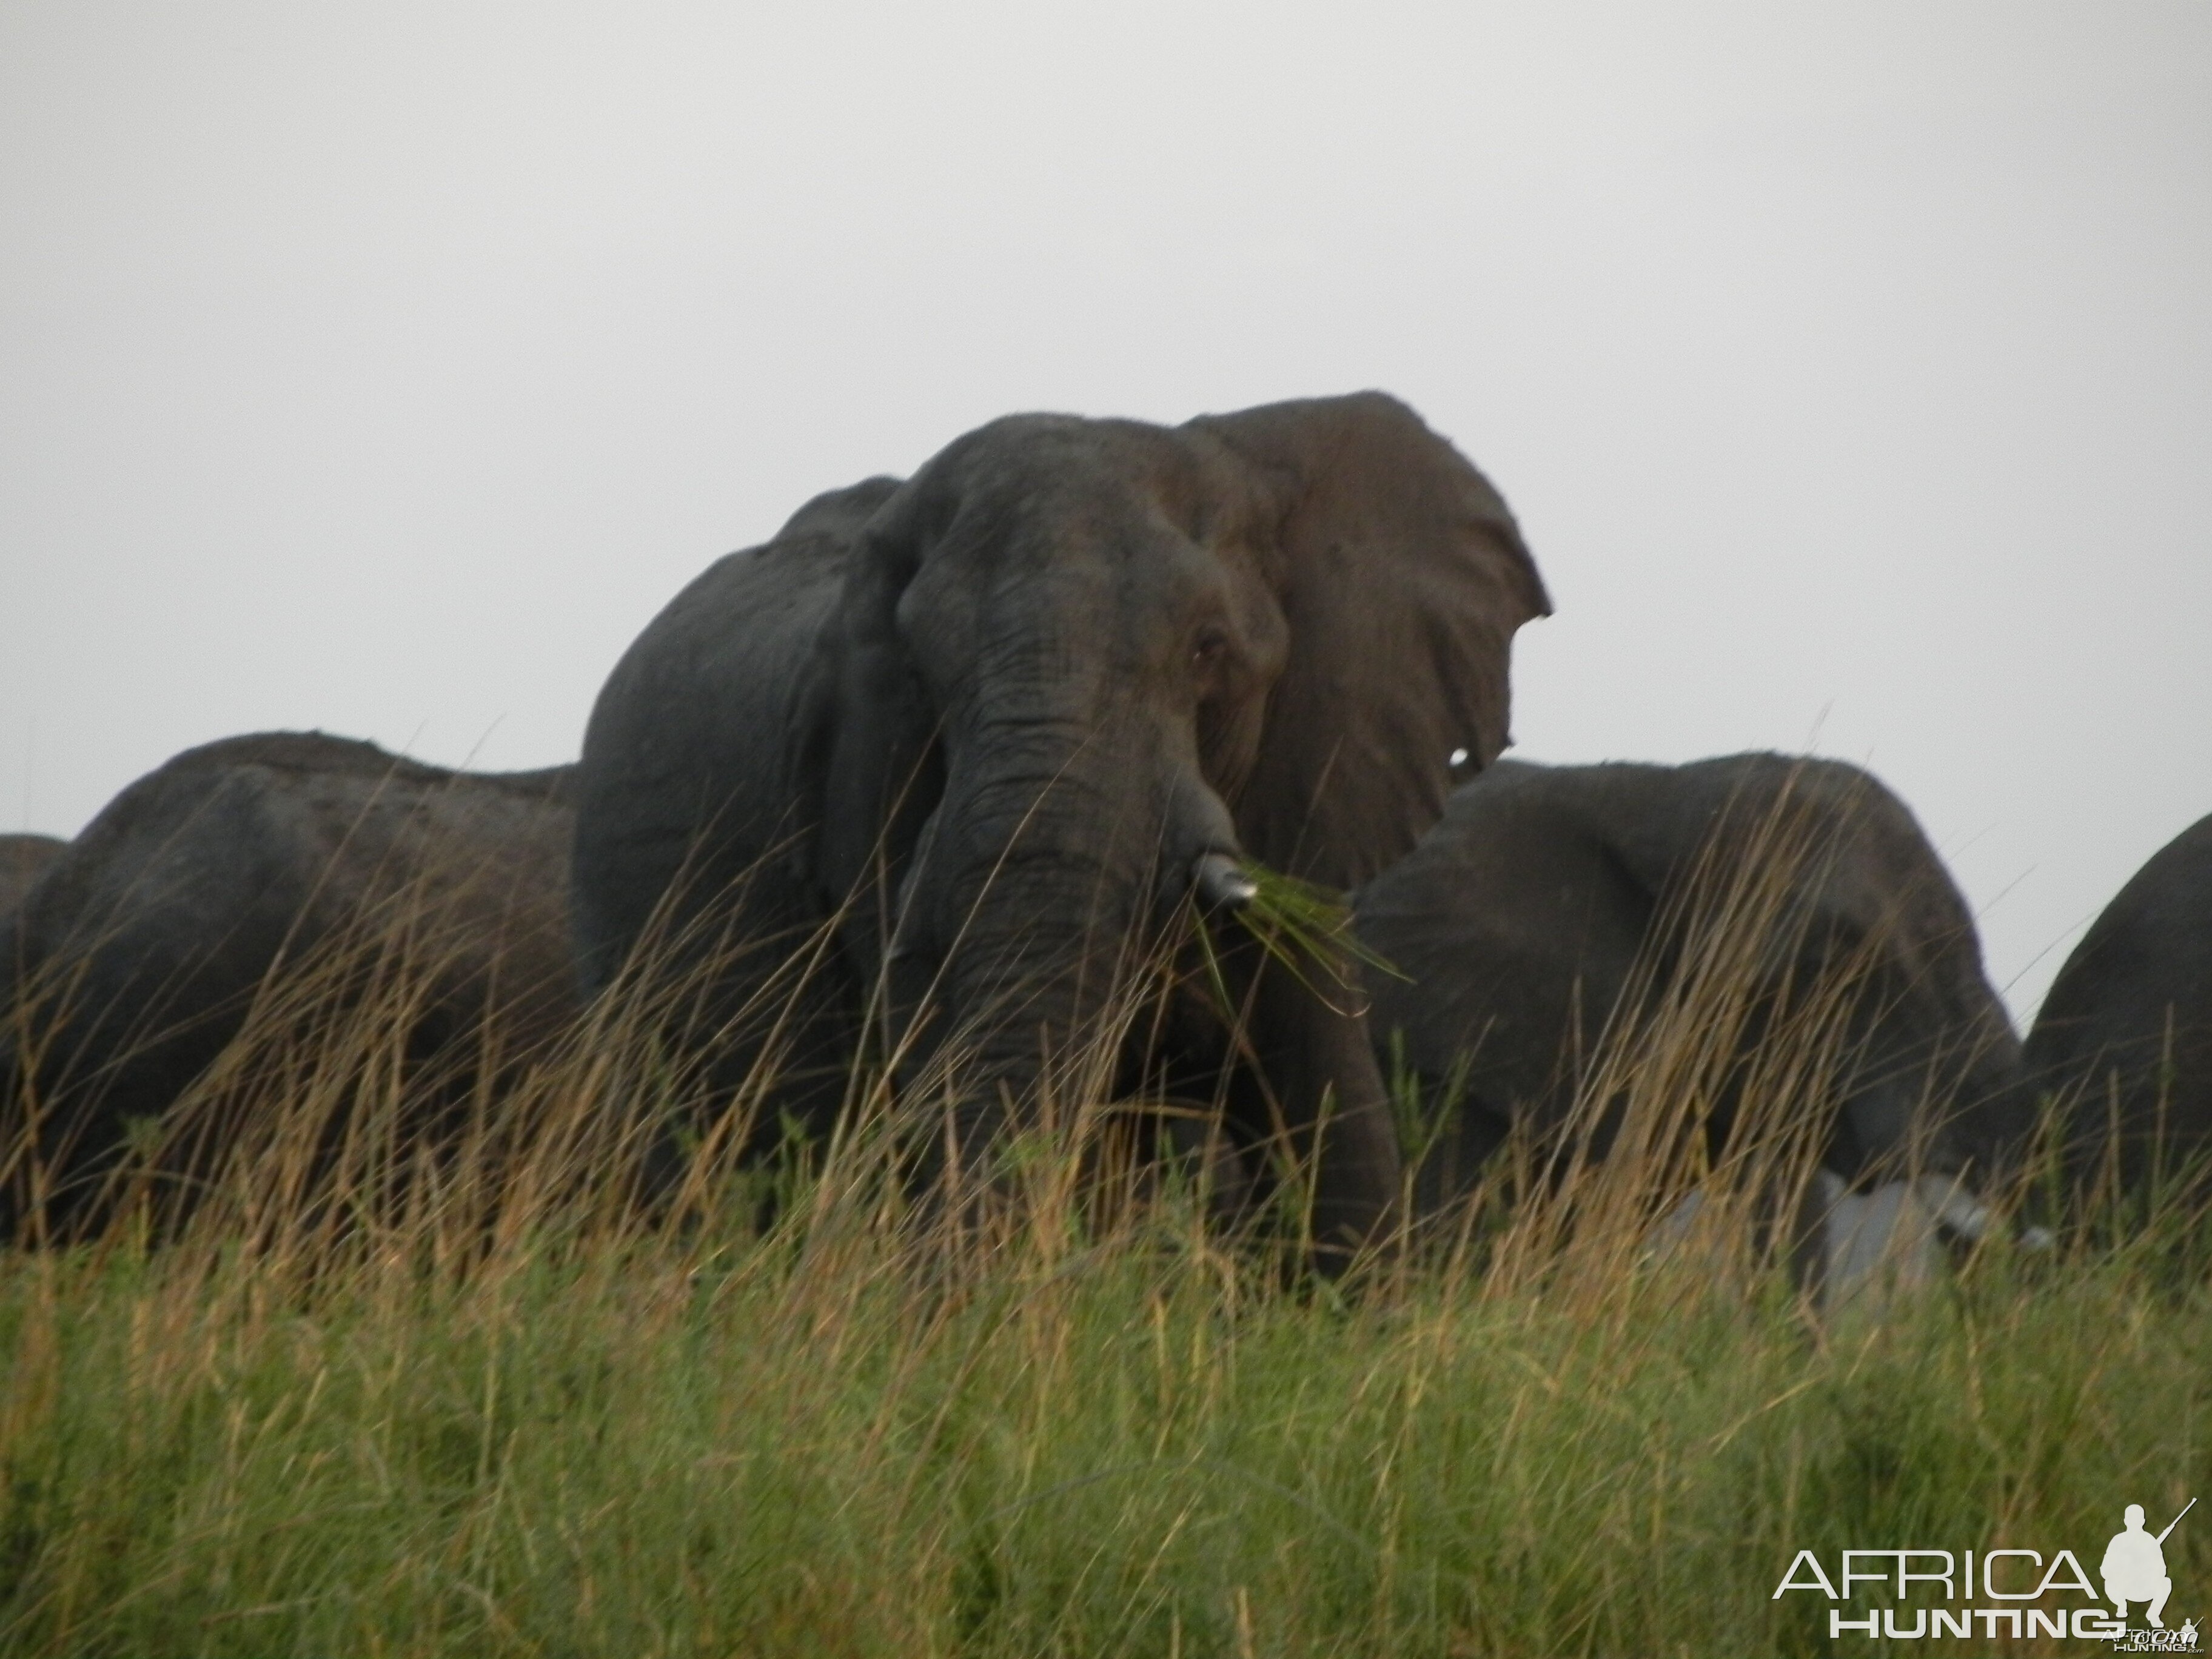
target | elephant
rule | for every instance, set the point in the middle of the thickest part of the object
(1553, 901)
(983, 734)
(2123, 1040)
(21, 857)
(135, 958)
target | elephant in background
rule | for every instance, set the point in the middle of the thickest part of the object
(1529, 920)
(136, 957)
(999, 724)
(21, 858)
(2123, 1040)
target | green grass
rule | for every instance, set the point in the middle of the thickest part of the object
(1132, 1445)
(483, 1411)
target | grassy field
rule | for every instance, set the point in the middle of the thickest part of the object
(465, 1415)
(817, 1443)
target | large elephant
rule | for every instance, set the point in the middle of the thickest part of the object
(136, 957)
(1553, 902)
(1002, 719)
(2123, 1040)
(21, 858)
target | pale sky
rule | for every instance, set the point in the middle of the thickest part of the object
(383, 368)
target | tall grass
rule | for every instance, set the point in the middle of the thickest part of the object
(418, 1372)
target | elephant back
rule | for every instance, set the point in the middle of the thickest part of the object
(293, 869)
(1508, 933)
(22, 858)
(1554, 905)
(2123, 1040)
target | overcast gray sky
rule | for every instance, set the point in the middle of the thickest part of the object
(383, 368)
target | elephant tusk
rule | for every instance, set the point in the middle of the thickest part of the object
(1221, 883)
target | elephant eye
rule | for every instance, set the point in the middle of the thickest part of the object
(1209, 648)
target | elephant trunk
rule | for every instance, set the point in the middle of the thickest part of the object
(1029, 993)
(1039, 899)
(1032, 903)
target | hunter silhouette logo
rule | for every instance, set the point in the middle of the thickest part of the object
(2134, 1565)
(2006, 1592)
(2133, 1570)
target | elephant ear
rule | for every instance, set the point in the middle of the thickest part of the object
(875, 731)
(1402, 577)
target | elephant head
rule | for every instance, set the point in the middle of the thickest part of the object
(1141, 656)
(1073, 667)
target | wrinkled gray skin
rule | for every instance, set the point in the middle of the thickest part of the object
(1520, 916)
(157, 925)
(2123, 1040)
(21, 857)
(1012, 702)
